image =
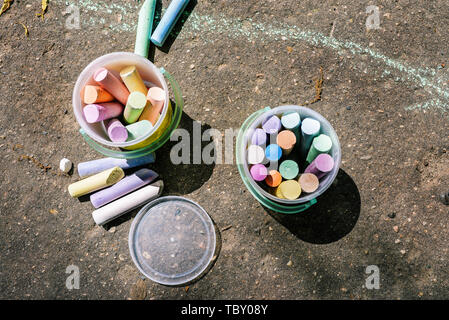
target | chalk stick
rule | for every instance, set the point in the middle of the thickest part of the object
(144, 28)
(156, 97)
(138, 129)
(96, 182)
(133, 81)
(289, 189)
(99, 112)
(96, 94)
(89, 168)
(286, 140)
(320, 144)
(123, 187)
(259, 137)
(273, 152)
(272, 125)
(309, 182)
(292, 121)
(134, 107)
(322, 165)
(259, 172)
(128, 203)
(273, 178)
(112, 84)
(310, 128)
(289, 169)
(116, 131)
(256, 154)
(277, 192)
(168, 21)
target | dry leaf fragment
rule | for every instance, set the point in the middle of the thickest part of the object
(44, 9)
(5, 6)
(53, 211)
(26, 29)
(289, 49)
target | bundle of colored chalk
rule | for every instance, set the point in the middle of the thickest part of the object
(113, 194)
(128, 108)
(297, 147)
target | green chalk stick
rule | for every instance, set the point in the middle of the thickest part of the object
(138, 129)
(134, 106)
(145, 28)
(289, 169)
(320, 144)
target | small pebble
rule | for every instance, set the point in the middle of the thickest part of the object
(396, 229)
(112, 230)
(289, 264)
(445, 198)
(392, 215)
(65, 165)
(348, 108)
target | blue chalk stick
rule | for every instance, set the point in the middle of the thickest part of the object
(273, 152)
(96, 166)
(168, 21)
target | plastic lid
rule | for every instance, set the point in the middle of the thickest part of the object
(172, 240)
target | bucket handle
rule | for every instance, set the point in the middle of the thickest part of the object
(273, 206)
(176, 118)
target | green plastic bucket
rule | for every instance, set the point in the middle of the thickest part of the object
(96, 134)
(265, 198)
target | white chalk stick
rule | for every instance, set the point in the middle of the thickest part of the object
(123, 205)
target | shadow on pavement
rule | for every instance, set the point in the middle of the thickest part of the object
(333, 216)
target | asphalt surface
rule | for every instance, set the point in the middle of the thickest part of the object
(384, 91)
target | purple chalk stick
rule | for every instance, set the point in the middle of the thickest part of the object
(259, 172)
(259, 137)
(272, 125)
(99, 112)
(123, 187)
(117, 131)
(321, 166)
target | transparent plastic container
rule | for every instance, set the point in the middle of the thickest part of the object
(265, 198)
(172, 240)
(96, 135)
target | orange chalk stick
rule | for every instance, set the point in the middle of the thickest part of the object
(286, 139)
(156, 96)
(273, 179)
(96, 94)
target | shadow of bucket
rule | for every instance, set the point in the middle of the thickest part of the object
(96, 135)
(265, 198)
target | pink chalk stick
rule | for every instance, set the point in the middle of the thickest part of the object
(321, 166)
(259, 172)
(117, 131)
(112, 84)
(99, 112)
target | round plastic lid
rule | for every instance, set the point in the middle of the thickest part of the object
(172, 240)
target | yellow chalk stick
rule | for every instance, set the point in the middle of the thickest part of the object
(132, 79)
(289, 189)
(96, 182)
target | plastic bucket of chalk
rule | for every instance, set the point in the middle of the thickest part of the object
(267, 199)
(96, 134)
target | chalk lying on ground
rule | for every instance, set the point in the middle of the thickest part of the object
(320, 144)
(321, 166)
(259, 137)
(134, 107)
(156, 97)
(95, 166)
(116, 131)
(99, 112)
(65, 165)
(96, 94)
(96, 182)
(309, 182)
(123, 187)
(168, 21)
(112, 84)
(144, 28)
(138, 129)
(129, 202)
(133, 81)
